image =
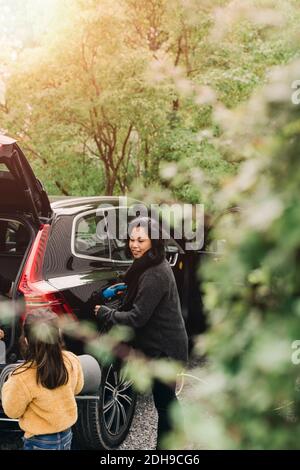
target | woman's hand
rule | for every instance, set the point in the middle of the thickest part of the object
(96, 309)
(104, 318)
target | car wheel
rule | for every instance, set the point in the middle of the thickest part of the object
(104, 422)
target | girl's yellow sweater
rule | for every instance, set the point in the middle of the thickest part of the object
(40, 410)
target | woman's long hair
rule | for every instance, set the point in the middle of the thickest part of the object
(154, 256)
(42, 347)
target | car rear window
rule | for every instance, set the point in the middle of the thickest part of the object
(89, 241)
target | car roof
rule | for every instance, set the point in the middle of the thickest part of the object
(70, 205)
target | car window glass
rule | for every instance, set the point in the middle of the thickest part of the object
(3, 167)
(118, 250)
(91, 236)
(118, 226)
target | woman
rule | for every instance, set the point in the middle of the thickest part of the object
(152, 308)
(41, 392)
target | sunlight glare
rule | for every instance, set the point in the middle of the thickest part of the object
(23, 22)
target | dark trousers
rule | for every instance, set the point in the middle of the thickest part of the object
(164, 395)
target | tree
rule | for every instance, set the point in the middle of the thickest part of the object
(115, 90)
(88, 97)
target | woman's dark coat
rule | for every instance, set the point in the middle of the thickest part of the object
(155, 315)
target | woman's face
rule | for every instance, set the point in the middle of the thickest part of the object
(139, 242)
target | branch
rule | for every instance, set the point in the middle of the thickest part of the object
(123, 153)
(61, 188)
(91, 150)
(4, 108)
(179, 51)
(85, 64)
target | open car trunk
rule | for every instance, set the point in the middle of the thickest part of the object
(20, 190)
(16, 236)
(24, 206)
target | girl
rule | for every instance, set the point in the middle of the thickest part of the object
(152, 308)
(40, 392)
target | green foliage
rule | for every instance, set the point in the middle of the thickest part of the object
(112, 91)
(253, 293)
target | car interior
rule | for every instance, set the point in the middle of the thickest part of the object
(11, 194)
(14, 240)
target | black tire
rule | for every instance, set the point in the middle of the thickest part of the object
(104, 422)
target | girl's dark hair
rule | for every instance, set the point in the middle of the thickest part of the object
(154, 232)
(44, 348)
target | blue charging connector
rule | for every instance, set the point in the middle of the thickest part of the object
(114, 290)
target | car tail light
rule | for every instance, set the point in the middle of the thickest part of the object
(37, 292)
